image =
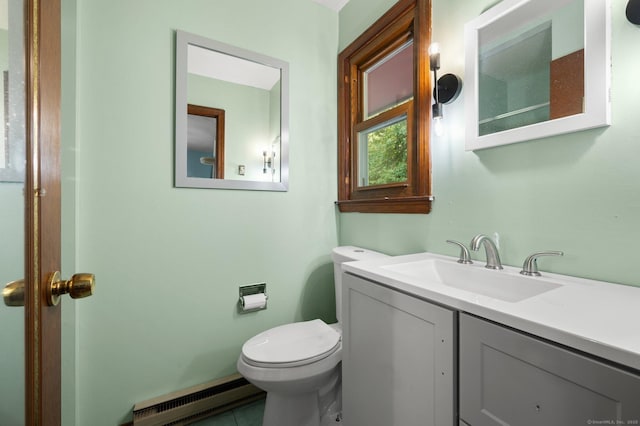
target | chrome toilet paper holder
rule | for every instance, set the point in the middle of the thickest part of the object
(250, 289)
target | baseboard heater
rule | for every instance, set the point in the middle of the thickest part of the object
(198, 402)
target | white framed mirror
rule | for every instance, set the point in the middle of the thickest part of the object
(232, 117)
(536, 68)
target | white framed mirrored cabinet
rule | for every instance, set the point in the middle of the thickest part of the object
(536, 68)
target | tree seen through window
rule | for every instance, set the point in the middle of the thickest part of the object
(387, 154)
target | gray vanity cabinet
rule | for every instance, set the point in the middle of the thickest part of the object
(398, 358)
(509, 378)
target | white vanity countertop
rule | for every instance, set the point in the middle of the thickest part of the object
(596, 317)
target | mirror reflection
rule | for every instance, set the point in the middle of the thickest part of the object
(231, 117)
(12, 154)
(12, 174)
(531, 71)
(537, 68)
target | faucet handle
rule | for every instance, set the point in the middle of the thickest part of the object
(530, 265)
(464, 252)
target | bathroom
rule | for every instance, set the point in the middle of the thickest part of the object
(169, 261)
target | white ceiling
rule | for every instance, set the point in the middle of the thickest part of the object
(221, 66)
(332, 4)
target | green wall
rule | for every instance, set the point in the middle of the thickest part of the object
(168, 262)
(69, 202)
(577, 193)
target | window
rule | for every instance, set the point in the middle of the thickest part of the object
(383, 122)
(382, 153)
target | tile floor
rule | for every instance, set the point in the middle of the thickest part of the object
(247, 415)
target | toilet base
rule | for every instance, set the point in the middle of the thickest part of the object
(290, 410)
(320, 408)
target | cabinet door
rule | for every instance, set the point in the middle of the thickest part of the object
(398, 358)
(509, 378)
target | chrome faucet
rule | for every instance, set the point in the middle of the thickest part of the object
(530, 266)
(464, 252)
(493, 258)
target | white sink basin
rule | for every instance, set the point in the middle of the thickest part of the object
(503, 285)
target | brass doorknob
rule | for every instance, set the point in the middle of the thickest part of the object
(79, 286)
(13, 293)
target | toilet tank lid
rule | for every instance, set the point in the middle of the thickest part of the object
(353, 253)
(293, 342)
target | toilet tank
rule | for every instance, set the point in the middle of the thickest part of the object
(347, 254)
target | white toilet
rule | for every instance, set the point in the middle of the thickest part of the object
(298, 364)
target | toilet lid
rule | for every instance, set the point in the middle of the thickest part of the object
(292, 343)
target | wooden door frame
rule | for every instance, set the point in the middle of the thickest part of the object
(42, 211)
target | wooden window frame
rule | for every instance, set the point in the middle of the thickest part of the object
(405, 20)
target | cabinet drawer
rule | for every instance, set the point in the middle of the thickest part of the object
(509, 378)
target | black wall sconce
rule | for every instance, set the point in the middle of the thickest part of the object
(633, 11)
(446, 90)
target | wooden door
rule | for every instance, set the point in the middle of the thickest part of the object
(42, 211)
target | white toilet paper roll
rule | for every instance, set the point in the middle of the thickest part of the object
(253, 301)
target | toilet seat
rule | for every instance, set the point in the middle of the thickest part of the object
(291, 345)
